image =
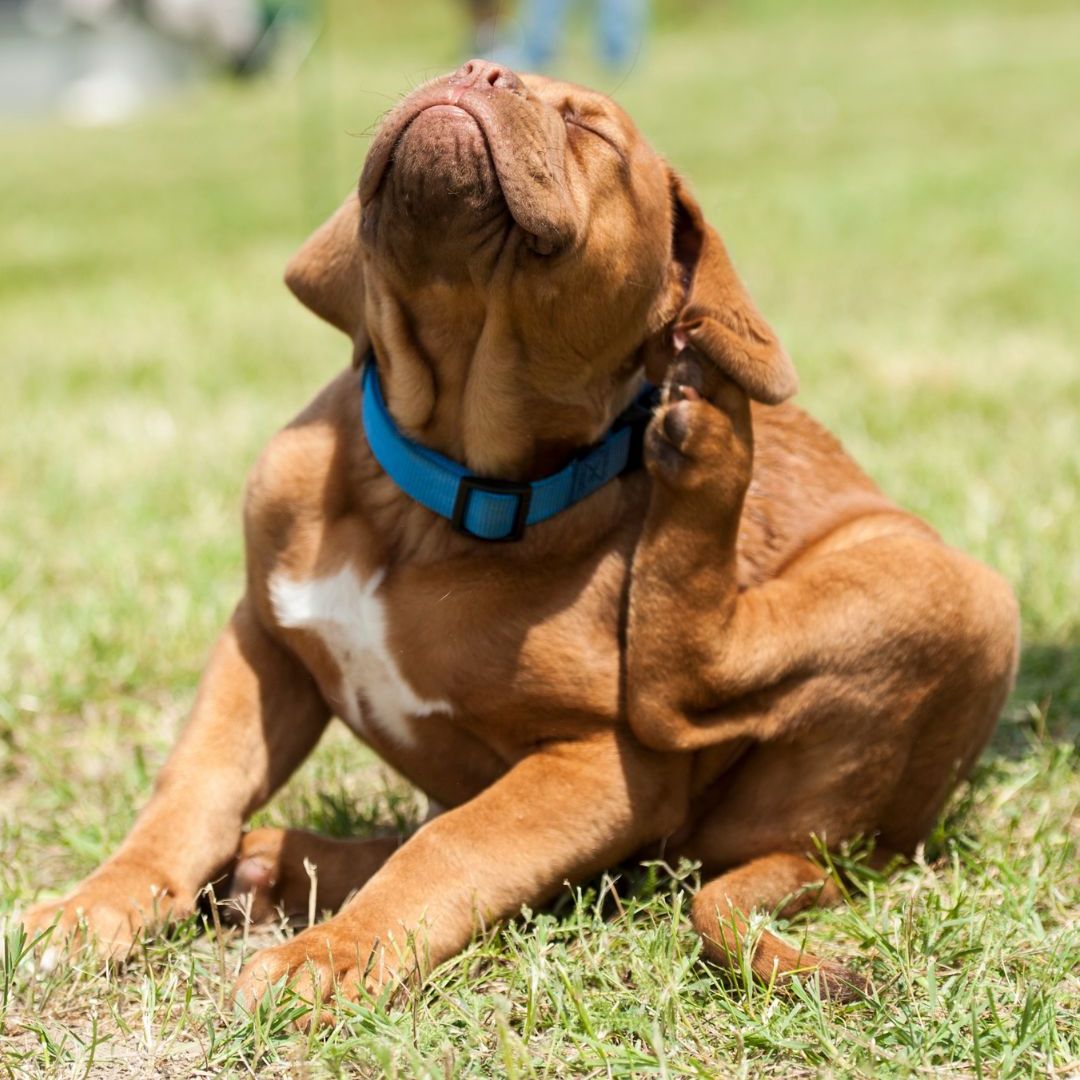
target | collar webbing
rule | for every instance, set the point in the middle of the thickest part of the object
(488, 509)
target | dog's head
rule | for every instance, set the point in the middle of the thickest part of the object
(517, 253)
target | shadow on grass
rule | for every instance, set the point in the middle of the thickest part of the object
(1045, 703)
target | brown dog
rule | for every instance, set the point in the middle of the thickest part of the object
(746, 649)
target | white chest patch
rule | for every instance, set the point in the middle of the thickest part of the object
(350, 619)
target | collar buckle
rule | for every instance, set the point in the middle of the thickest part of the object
(468, 484)
(478, 506)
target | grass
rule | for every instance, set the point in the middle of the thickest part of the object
(898, 184)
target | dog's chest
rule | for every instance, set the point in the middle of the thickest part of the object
(349, 617)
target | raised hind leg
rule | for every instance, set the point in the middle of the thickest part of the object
(874, 608)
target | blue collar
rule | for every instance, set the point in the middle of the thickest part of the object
(496, 509)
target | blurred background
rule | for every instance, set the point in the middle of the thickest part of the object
(899, 183)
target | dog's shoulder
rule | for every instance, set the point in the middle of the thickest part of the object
(301, 476)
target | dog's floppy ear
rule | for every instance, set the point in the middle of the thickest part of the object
(718, 317)
(327, 273)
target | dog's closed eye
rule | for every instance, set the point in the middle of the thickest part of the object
(587, 124)
(574, 119)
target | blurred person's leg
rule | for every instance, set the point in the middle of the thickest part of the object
(231, 29)
(621, 30)
(542, 27)
(485, 24)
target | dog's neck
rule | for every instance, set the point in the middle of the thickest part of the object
(483, 401)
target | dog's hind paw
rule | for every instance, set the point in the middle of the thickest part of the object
(699, 439)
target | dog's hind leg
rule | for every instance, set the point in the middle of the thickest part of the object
(786, 884)
(875, 612)
(293, 871)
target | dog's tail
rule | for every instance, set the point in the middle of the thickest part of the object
(783, 883)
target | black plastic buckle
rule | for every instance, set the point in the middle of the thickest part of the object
(637, 417)
(468, 484)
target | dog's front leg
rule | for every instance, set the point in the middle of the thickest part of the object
(256, 716)
(560, 814)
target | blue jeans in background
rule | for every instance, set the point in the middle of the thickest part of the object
(620, 27)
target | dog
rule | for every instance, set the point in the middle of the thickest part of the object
(742, 650)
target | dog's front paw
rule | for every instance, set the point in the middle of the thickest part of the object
(105, 915)
(699, 439)
(332, 958)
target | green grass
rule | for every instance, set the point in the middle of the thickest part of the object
(898, 183)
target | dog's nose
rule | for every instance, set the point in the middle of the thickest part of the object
(483, 73)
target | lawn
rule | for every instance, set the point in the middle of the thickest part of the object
(899, 186)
